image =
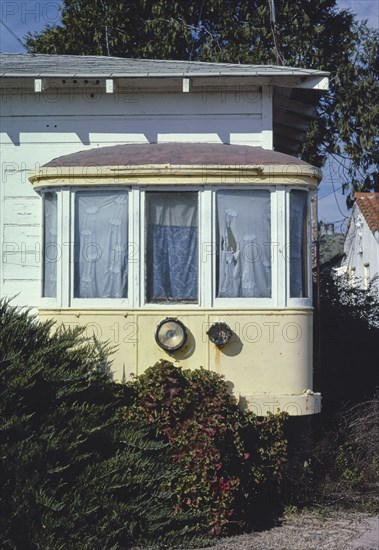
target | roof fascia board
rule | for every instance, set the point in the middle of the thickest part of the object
(171, 74)
(284, 80)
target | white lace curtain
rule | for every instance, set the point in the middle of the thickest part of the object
(298, 244)
(101, 244)
(50, 246)
(244, 244)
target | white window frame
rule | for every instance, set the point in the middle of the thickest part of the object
(280, 270)
(97, 302)
(45, 301)
(254, 302)
(142, 246)
(291, 301)
(352, 275)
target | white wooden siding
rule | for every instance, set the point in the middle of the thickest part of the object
(61, 104)
(84, 129)
(36, 128)
(361, 247)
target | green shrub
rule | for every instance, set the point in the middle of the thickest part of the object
(230, 457)
(74, 474)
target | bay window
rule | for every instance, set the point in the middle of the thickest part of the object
(140, 247)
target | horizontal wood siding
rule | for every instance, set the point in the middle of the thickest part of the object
(208, 102)
(36, 128)
(24, 292)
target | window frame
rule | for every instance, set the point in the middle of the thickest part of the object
(366, 276)
(253, 302)
(76, 302)
(297, 301)
(207, 231)
(143, 303)
(51, 301)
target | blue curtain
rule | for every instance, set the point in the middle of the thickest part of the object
(172, 261)
(172, 247)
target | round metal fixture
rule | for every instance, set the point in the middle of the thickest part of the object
(170, 334)
(220, 334)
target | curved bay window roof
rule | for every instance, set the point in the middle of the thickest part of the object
(176, 154)
(111, 165)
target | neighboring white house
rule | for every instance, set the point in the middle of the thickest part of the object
(361, 261)
(153, 200)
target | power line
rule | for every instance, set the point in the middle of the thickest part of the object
(273, 26)
(14, 35)
(366, 8)
(194, 38)
(328, 194)
(335, 198)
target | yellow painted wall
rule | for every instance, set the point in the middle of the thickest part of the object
(270, 352)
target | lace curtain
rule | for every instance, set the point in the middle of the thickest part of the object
(50, 246)
(101, 244)
(298, 244)
(172, 246)
(244, 244)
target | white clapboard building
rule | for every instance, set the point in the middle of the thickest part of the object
(162, 205)
(361, 250)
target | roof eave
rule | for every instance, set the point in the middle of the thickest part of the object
(312, 81)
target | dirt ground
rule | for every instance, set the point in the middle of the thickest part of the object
(311, 531)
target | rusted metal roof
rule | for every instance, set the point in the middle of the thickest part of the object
(175, 154)
(368, 204)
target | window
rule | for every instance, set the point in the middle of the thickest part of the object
(298, 244)
(243, 264)
(140, 247)
(101, 244)
(50, 245)
(172, 246)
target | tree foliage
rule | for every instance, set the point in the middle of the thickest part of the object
(315, 35)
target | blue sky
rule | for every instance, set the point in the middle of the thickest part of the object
(23, 16)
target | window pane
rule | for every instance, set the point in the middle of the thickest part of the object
(243, 244)
(172, 246)
(298, 244)
(101, 244)
(50, 245)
